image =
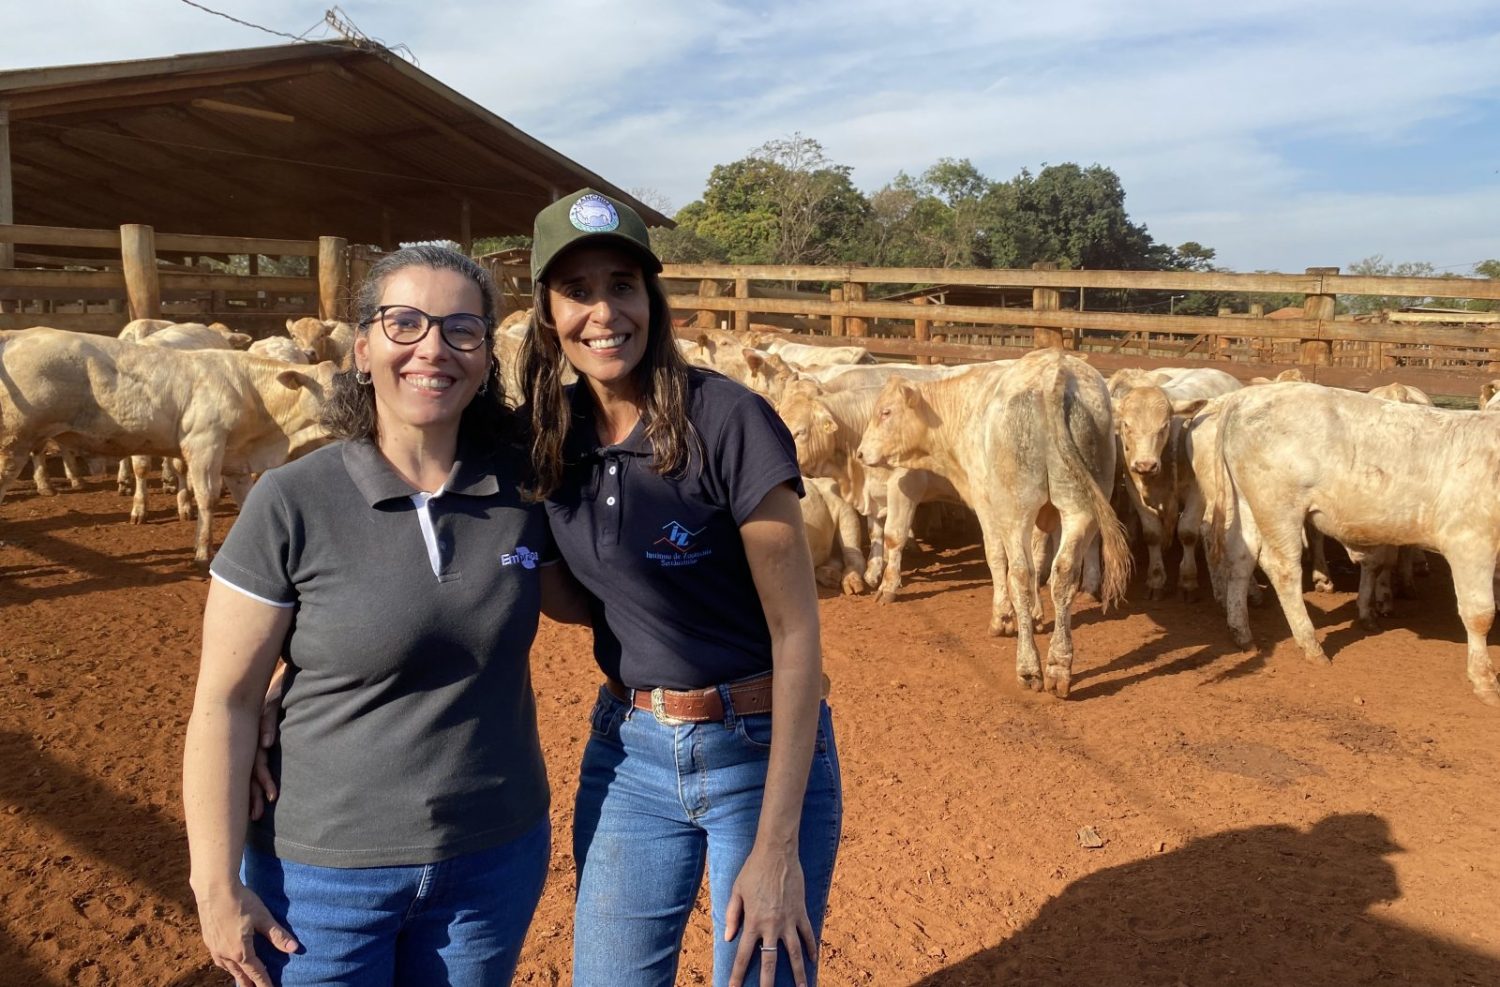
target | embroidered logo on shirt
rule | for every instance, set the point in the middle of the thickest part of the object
(682, 548)
(522, 556)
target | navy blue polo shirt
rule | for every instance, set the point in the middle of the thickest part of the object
(675, 604)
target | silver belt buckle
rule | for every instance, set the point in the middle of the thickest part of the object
(659, 707)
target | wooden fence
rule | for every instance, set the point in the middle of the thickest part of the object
(97, 280)
(1442, 359)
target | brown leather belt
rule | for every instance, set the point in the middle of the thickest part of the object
(701, 705)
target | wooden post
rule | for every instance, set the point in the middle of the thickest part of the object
(707, 318)
(138, 257)
(1318, 351)
(7, 202)
(1257, 310)
(333, 277)
(742, 318)
(854, 291)
(835, 322)
(1046, 300)
(465, 229)
(922, 331)
(359, 267)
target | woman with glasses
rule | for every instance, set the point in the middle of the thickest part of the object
(672, 494)
(399, 572)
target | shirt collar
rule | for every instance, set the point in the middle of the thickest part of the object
(583, 438)
(473, 473)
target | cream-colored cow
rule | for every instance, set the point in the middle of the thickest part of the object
(1369, 473)
(327, 339)
(227, 414)
(833, 536)
(1028, 447)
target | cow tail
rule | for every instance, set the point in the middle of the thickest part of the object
(1222, 511)
(1115, 554)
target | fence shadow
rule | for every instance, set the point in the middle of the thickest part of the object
(1262, 905)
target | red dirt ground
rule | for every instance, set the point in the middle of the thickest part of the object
(1264, 821)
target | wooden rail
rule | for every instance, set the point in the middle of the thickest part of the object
(132, 280)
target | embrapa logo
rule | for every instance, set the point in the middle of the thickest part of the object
(522, 556)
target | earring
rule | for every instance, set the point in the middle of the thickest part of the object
(361, 377)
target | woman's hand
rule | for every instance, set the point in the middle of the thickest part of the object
(768, 909)
(262, 782)
(231, 917)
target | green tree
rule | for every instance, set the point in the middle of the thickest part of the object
(785, 203)
(1069, 214)
(1376, 265)
(1486, 269)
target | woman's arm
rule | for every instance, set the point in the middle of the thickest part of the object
(563, 598)
(242, 639)
(768, 894)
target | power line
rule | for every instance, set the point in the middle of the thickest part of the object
(220, 13)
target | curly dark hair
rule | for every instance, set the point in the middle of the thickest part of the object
(661, 377)
(349, 412)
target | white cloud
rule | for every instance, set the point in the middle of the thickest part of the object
(1225, 121)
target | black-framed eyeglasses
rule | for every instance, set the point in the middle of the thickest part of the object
(407, 326)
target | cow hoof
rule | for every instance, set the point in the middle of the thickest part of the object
(123, 489)
(1323, 585)
(1317, 658)
(1030, 680)
(1488, 696)
(1244, 642)
(75, 485)
(1190, 594)
(1006, 627)
(136, 518)
(873, 572)
(45, 492)
(883, 595)
(1370, 624)
(1154, 593)
(1059, 683)
(854, 584)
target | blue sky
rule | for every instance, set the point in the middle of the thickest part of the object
(1283, 134)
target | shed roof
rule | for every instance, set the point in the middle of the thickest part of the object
(294, 141)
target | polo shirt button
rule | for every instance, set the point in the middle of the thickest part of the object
(612, 471)
(610, 501)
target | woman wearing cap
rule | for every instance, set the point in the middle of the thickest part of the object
(399, 572)
(672, 494)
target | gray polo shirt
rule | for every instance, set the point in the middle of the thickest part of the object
(408, 731)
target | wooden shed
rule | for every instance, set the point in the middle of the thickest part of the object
(291, 141)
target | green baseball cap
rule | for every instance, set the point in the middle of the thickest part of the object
(588, 215)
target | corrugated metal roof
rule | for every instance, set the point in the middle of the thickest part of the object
(293, 141)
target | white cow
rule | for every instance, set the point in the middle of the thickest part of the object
(328, 339)
(1369, 473)
(226, 414)
(827, 429)
(806, 356)
(833, 536)
(1149, 418)
(1027, 446)
(283, 348)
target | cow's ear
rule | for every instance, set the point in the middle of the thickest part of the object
(826, 422)
(1189, 408)
(289, 325)
(293, 379)
(910, 394)
(754, 358)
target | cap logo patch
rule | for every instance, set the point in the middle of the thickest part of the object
(594, 213)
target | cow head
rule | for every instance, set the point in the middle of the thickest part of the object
(769, 373)
(305, 389)
(1143, 419)
(898, 425)
(312, 334)
(813, 429)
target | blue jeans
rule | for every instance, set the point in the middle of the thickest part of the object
(656, 801)
(458, 922)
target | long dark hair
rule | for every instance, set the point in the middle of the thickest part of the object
(661, 378)
(349, 412)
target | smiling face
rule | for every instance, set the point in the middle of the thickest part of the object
(423, 386)
(599, 304)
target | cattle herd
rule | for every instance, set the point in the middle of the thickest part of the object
(1060, 465)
